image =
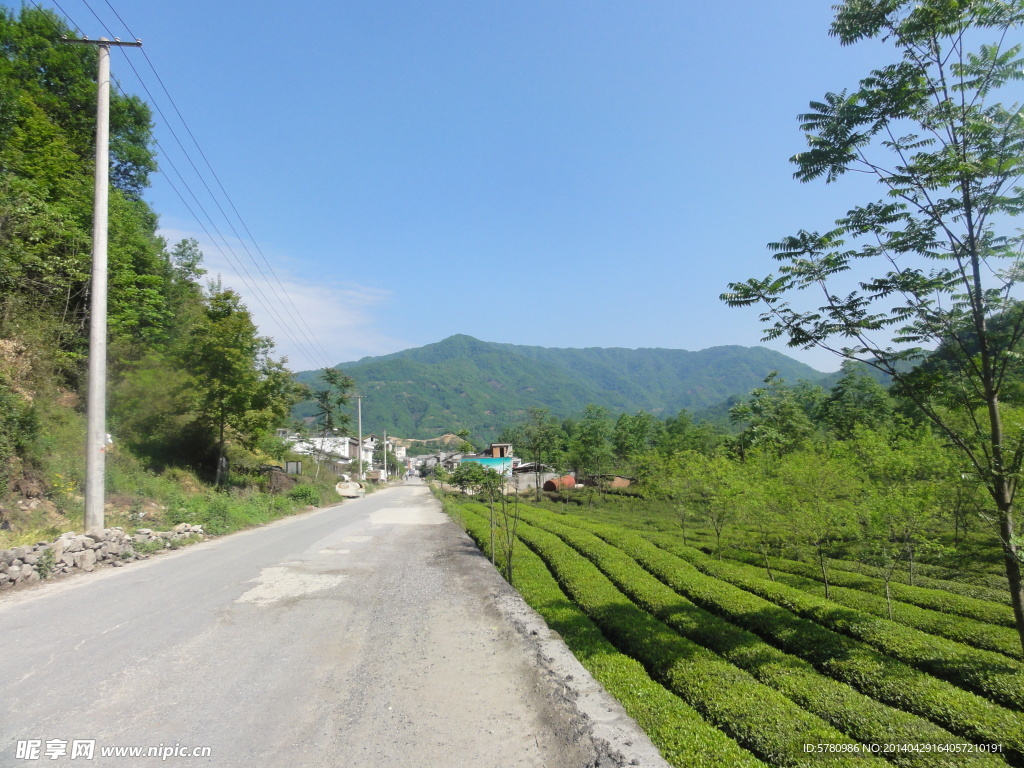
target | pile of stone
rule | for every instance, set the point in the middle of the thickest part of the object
(76, 552)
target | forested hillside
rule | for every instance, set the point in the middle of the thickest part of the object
(189, 377)
(464, 383)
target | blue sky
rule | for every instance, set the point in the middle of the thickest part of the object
(551, 173)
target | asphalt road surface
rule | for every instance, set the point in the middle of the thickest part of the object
(371, 634)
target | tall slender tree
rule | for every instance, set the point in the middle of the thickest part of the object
(943, 255)
(329, 402)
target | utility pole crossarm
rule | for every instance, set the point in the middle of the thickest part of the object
(102, 41)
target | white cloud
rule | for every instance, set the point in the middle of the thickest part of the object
(308, 319)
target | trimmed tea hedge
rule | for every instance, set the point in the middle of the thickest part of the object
(955, 587)
(986, 587)
(758, 717)
(923, 597)
(680, 733)
(992, 675)
(979, 634)
(841, 657)
(866, 594)
(857, 715)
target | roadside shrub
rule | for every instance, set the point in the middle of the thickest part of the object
(305, 494)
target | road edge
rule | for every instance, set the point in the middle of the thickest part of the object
(617, 738)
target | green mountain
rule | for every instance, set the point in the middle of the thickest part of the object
(465, 383)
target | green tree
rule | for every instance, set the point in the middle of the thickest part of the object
(590, 450)
(380, 456)
(539, 438)
(468, 476)
(943, 259)
(680, 433)
(464, 445)
(329, 400)
(474, 477)
(856, 401)
(706, 486)
(47, 134)
(775, 418)
(815, 492)
(634, 435)
(236, 385)
(903, 495)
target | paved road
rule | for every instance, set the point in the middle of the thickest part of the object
(370, 634)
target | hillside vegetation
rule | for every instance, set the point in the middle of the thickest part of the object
(464, 383)
(190, 378)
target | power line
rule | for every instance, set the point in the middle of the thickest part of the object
(247, 278)
(284, 326)
(101, 22)
(309, 345)
(230, 201)
(223, 190)
(47, 17)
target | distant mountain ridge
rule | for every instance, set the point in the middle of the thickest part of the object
(464, 383)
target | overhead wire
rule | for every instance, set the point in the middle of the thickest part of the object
(297, 317)
(308, 345)
(289, 330)
(66, 16)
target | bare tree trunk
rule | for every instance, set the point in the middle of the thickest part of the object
(1012, 556)
(220, 452)
(824, 572)
(490, 502)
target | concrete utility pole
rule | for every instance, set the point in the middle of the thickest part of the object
(359, 408)
(96, 405)
(385, 455)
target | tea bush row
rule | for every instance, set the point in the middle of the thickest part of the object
(680, 733)
(854, 713)
(868, 595)
(758, 717)
(992, 675)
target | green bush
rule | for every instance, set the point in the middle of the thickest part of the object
(854, 713)
(936, 599)
(867, 594)
(684, 738)
(989, 674)
(845, 658)
(758, 717)
(834, 654)
(969, 591)
(305, 494)
(980, 634)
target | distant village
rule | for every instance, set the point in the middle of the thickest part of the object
(338, 454)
